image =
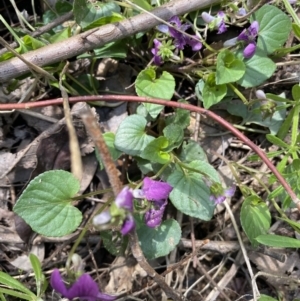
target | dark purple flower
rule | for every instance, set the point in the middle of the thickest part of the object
(153, 217)
(219, 195)
(248, 36)
(119, 211)
(180, 39)
(128, 224)
(125, 199)
(155, 190)
(85, 288)
(155, 51)
(157, 193)
(215, 22)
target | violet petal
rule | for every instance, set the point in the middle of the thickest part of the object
(176, 21)
(254, 28)
(229, 192)
(196, 45)
(249, 50)
(128, 225)
(260, 94)
(85, 288)
(156, 190)
(57, 283)
(153, 217)
(125, 199)
(163, 28)
(102, 218)
(217, 199)
(222, 27)
(155, 50)
(207, 18)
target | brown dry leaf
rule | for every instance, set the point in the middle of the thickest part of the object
(22, 262)
(273, 267)
(39, 124)
(123, 274)
(211, 137)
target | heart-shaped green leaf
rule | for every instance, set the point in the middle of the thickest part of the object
(46, 206)
(258, 69)
(155, 151)
(212, 93)
(131, 137)
(86, 13)
(190, 194)
(274, 28)
(229, 68)
(255, 218)
(148, 85)
(160, 241)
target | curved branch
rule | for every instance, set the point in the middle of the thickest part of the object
(191, 108)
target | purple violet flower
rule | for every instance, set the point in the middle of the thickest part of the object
(241, 12)
(85, 288)
(122, 209)
(219, 194)
(153, 217)
(155, 51)
(155, 190)
(249, 36)
(215, 22)
(128, 224)
(125, 199)
(157, 193)
(180, 39)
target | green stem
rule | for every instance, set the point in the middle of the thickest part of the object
(291, 11)
(238, 93)
(83, 232)
(295, 124)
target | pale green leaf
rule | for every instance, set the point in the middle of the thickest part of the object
(190, 194)
(274, 28)
(46, 206)
(229, 68)
(255, 218)
(147, 84)
(159, 241)
(131, 137)
(258, 69)
(278, 241)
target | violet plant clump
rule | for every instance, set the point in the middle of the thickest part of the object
(219, 194)
(156, 192)
(84, 288)
(165, 50)
(120, 212)
(248, 37)
(215, 22)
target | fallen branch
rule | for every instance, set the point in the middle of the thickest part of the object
(97, 37)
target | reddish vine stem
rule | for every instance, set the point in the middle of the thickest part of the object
(129, 98)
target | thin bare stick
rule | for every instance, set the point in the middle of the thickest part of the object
(43, 29)
(244, 251)
(76, 162)
(93, 128)
(139, 256)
